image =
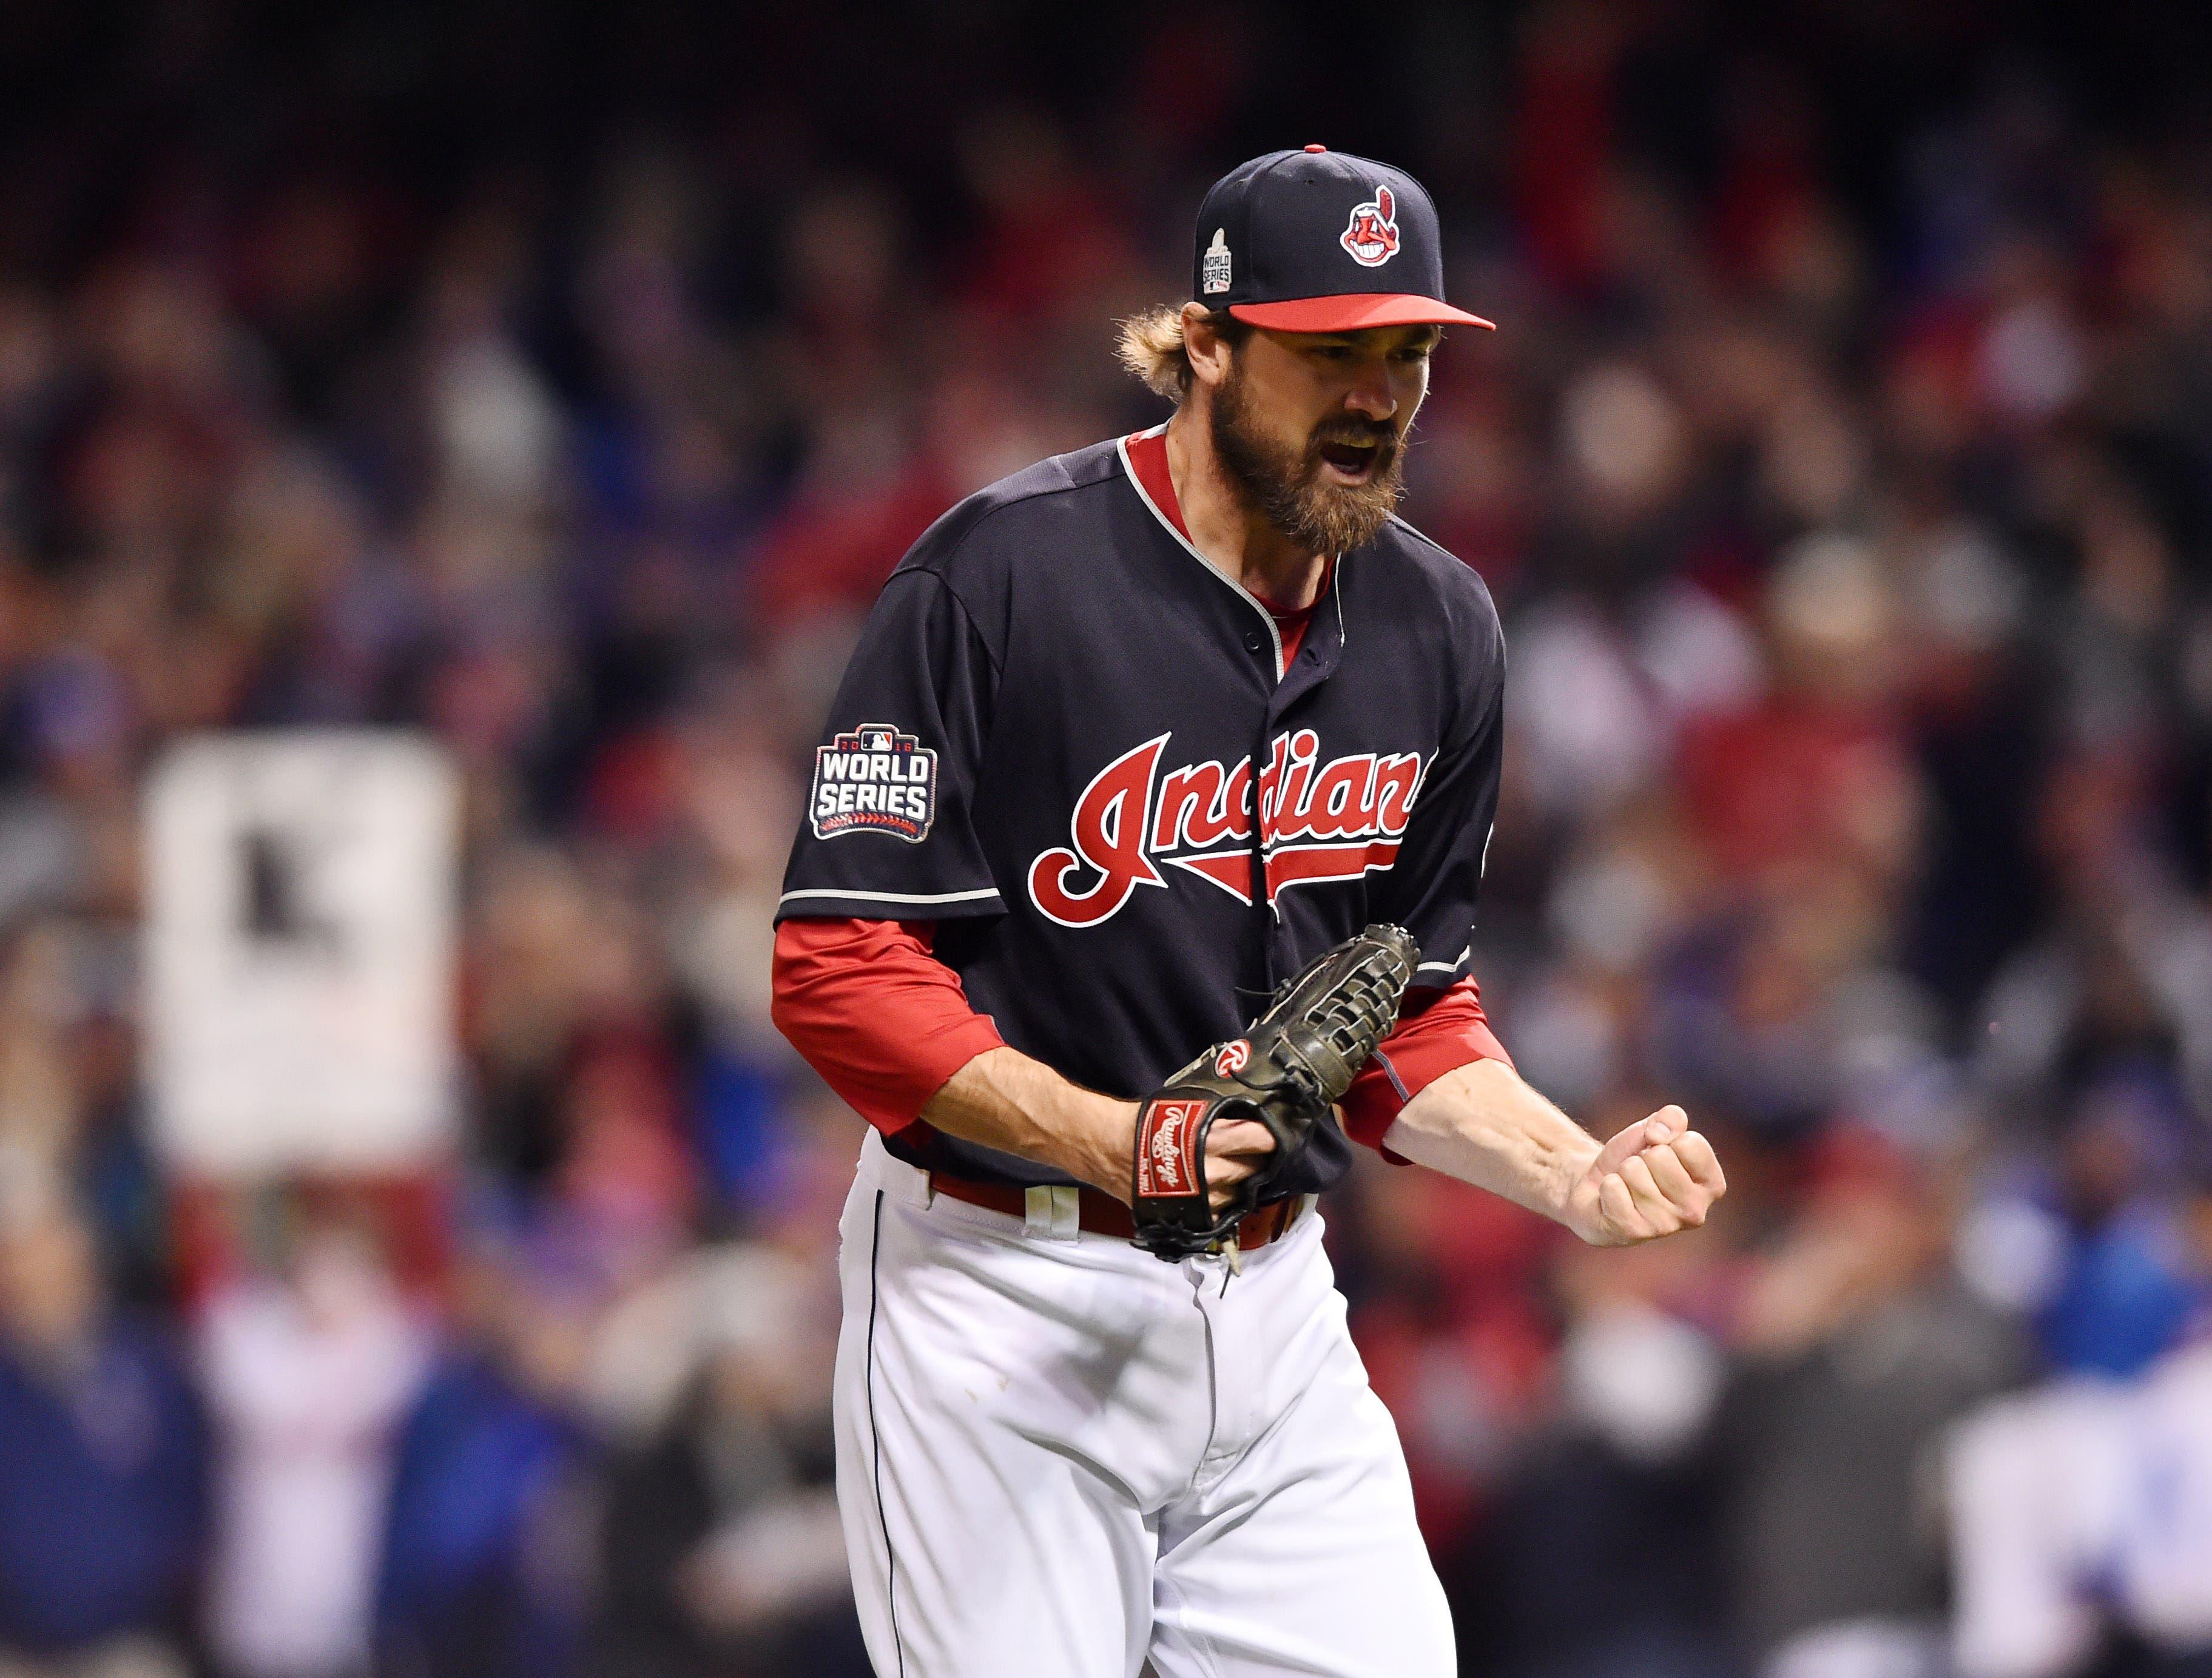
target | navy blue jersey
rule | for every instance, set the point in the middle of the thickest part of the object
(1045, 743)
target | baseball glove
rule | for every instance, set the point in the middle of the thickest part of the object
(1287, 1072)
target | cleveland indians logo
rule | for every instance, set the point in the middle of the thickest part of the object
(1320, 823)
(1372, 236)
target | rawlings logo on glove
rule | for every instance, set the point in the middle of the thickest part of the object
(1294, 1064)
(1168, 1164)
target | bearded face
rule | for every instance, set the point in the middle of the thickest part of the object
(1329, 492)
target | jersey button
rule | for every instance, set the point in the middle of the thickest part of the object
(1251, 641)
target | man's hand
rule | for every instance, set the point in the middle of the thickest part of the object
(1482, 1124)
(1235, 1148)
(1655, 1178)
(1004, 1100)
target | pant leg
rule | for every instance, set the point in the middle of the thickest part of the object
(1302, 1555)
(1006, 1409)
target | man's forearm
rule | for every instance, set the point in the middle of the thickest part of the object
(1482, 1124)
(1003, 1099)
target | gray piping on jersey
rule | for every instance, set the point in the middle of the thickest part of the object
(1445, 966)
(890, 896)
(1397, 1084)
(1274, 631)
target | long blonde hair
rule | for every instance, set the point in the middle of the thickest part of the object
(1150, 344)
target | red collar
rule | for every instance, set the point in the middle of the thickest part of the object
(1148, 461)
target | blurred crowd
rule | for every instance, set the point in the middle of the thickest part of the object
(1842, 469)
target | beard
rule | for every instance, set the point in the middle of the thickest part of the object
(1286, 486)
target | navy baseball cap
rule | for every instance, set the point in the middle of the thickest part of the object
(1321, 241)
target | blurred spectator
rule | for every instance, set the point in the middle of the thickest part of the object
(1618, 1484)
(482, 1570)
(2128, 1287)
(722, 1550)
(1859, 1348)
(103, 1461)
(307, 1373)
(2082, 1529)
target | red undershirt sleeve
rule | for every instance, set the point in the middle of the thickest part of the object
(870, 1008)
(886, 1024)
(1437, 1031)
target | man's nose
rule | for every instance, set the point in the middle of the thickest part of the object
(1370, 395)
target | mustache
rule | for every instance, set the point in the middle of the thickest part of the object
(1380, 432)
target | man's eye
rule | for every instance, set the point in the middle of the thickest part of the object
(1333, 352)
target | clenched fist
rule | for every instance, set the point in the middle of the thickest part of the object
(1655, 1178)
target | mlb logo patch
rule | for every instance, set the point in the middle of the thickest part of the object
(873, 779)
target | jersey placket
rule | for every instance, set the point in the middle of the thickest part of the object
(1292, 681)
(1318, 658)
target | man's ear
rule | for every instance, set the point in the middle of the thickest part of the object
(1208, 351)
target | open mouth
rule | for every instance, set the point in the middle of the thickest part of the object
(1355, 461)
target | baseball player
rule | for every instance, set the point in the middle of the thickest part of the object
(1131, 740)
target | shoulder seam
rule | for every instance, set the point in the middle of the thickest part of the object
(998, 667)
(1482, 582)
(1427, 540)
(934, 566)
(990, 512)
(1028, 495)
(1038, 494)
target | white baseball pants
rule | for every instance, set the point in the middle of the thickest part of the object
(1059, 1457)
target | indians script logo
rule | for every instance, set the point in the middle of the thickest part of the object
(1168, 1162)
(1372, 236)
(874, 779)
(1320, 822)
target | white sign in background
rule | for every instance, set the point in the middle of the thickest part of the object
(299, 951)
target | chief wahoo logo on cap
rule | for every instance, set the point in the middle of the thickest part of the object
(1372, 234)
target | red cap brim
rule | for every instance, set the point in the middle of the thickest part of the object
(1354, 312)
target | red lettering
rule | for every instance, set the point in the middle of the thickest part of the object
(1185, 797)
(1230, 870)
(1343, 802)
(1232, 818)
(1271, 784)
(1108, 831)
(1328, 862)
(1290, 810)
(1324, 822)
(1397, 778)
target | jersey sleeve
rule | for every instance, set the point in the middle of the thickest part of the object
(1431, 890)
(887, 831)
(1437, 1031)
(882, 1021)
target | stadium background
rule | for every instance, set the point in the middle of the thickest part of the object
(562, 383)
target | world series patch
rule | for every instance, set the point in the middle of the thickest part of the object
(874, 779)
